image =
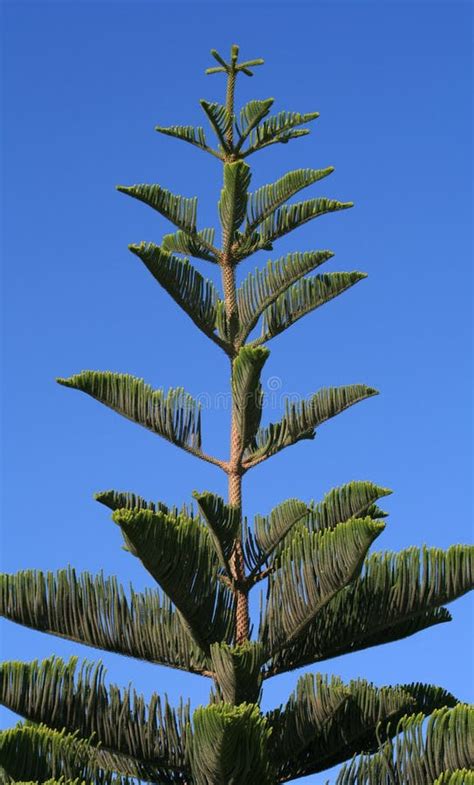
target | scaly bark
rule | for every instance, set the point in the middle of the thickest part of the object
(234, 468)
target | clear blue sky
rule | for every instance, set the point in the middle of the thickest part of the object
(85, 84)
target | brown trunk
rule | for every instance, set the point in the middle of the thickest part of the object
(242, 621)
(228, 283)
(227, 265)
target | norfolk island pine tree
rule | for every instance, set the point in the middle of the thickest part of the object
(325, 595)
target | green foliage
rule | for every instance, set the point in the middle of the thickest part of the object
(429, 697)
(316, 702)
(229, 745)
(267, 199)
(302, 298)
(326, 721)
(352, 500)
(290, 217)
(233, 201)
(424, 753)
(137, 739)
(178, 209)
(38, 753)
(272, 530)
(284, 220)
(174, 416)
(279, 128)
(220, 119)
(224, 523)
(193, 293)
(250, 116)
(96, 611)
(260, 289)
(187, 133)
(238, 671)
(35, 753)
(396, 595)
(308, 573)
(118, 500)
(301, 419)
(178, 552)
(199, 244)
(458, 777)
(247, 392)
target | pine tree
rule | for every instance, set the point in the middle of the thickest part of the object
(325, 595)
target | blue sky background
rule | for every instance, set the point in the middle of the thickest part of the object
(84, 85)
